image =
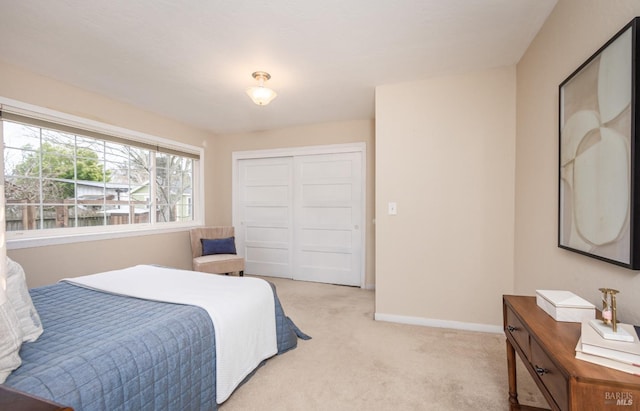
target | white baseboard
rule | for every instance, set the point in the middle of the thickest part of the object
(429, 322)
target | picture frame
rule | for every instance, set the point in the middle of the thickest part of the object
(599, 199)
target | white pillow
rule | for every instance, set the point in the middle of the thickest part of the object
(10, 339)
(20, 299)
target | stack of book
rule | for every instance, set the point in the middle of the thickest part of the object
(620, 355)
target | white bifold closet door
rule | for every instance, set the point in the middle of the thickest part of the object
(300, 217)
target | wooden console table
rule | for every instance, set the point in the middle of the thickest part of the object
(547, 349)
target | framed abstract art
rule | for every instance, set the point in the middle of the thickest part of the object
(599, 199)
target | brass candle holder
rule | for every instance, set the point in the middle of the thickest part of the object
(609, 307)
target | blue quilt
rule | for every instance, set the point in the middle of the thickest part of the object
(107, 352)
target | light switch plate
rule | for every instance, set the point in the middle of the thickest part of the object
(393, 208)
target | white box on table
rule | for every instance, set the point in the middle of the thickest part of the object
(565, 306)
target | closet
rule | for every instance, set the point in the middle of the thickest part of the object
(299, 213)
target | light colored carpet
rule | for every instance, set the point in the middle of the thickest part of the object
(356, 363)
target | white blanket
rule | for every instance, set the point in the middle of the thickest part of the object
(242, 310)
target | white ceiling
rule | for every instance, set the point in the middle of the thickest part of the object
(191, 60)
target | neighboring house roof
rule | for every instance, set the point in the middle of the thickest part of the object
(108, 184)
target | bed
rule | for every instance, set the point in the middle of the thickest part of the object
(102, 350)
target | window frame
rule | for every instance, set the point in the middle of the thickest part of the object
(55, 236)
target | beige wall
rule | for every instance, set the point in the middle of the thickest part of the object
(445, 152)
(45, 265)
(573, 32)
(313, 135)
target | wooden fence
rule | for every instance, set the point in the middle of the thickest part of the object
(25, 215)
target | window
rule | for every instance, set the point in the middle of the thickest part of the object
(61, 179)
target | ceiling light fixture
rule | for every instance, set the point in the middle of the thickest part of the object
(261, 95)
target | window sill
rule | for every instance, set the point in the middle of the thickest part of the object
(16, 243)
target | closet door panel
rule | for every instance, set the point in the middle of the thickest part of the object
(264, 207)
(327, 217)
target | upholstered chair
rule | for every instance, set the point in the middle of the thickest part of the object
(213, 251)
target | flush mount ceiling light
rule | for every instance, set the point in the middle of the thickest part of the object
(261, 95)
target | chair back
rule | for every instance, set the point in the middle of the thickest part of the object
(211, 233)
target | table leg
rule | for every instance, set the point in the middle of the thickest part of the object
(511, 369)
